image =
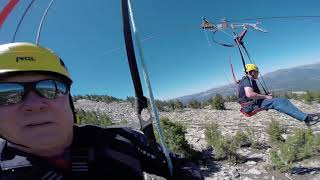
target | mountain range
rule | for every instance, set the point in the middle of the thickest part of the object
(300, 78)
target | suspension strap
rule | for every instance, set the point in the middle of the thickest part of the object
(6, 11)
(222, 44)
(146, 126)
(232, 70)
(140, 100)
(242, 58)
(263, 84)
(241, 36)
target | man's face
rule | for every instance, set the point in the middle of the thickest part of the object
(37, 122)
(255, 74)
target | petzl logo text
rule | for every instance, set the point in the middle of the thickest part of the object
(25, 59)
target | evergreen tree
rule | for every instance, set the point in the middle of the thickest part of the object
(308, 97)
(178, 104)
(231, 98)
(195, 104)
(218, 103)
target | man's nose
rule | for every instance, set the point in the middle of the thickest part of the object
(32, 102)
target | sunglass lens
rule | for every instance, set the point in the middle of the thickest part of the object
(61, 88)
(51, 89)
(47, 89)
(10, 93)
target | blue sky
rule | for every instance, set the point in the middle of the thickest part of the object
(88, 37)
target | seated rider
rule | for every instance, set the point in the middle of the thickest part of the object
(251, 98)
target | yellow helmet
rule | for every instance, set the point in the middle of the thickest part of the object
(251, 67)
(28, 57)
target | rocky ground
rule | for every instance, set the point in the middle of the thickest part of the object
(230, 121)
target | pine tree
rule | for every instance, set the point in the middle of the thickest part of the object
(218, 103)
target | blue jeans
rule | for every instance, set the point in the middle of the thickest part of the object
(283, 105)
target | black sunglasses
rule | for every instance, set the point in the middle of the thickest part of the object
(14, 92)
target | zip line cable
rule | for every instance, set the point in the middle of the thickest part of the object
(151, 37)
(192, 28)
(275, 17)
(42, 20)
(21, 19)
(120, 48)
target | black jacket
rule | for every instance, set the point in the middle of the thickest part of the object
(96, 153)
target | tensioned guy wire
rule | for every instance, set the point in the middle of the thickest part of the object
(21, 19)
(42, 20)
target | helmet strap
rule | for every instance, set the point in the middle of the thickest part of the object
(15, 145)
(73, 109)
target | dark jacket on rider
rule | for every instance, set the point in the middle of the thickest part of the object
(96, 153)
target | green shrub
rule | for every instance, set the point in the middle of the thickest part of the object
(308, 97)
(231, 98)
(274, 130)
(286, 95)
(224, 147)
(241, 139)
(213, 133)
(178, 104)
(174, 104)
(99, 98)
(277, 163)
(131, 100)
(295, 96)
(317, 98)
(194, 104)
(174, 134)
(218, 103)
(92, 117)
(123, 122)
(161, 105)
(304, 143)
(317, 142)
(253, 140)
(301, 145)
